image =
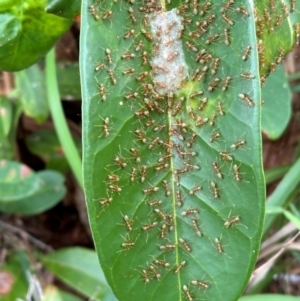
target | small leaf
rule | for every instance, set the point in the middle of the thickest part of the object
(276, 110)
(31, 88)
(64, 8)
(52, 293)
(27, 34)
(50, 192)
(79, 268)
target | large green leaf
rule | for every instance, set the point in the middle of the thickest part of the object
(79, 268)
(277, 108)
(143, 147)
(30, 85)
(27, 33)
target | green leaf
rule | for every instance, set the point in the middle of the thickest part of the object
(79, 268)
(26, 192)
(269, 297)
(28, 33)
(69, 81)
(52, 293)
(276, 32)
(120, 182)
(17, 181)
(64, 8)
(31, 88)
(13, 279)
(276, 111)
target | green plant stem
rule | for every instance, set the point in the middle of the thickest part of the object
(59, 118)
(275, 173)
(282, 193)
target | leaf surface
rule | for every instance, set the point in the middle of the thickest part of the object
(151, 139)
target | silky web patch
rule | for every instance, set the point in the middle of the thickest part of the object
(169, 68)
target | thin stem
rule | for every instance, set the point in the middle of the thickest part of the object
(59, 118)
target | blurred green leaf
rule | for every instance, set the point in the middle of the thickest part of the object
(269, 297)
(64, 8)
(6, 4)
(13, 279)
(143, 145)
(27, 33)
(80, 269)
(16, 181)
(26, 192)
(31, 88)
(45, 144)
(9, 117)
(276, 110)
(52, 293)
(68, 81)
